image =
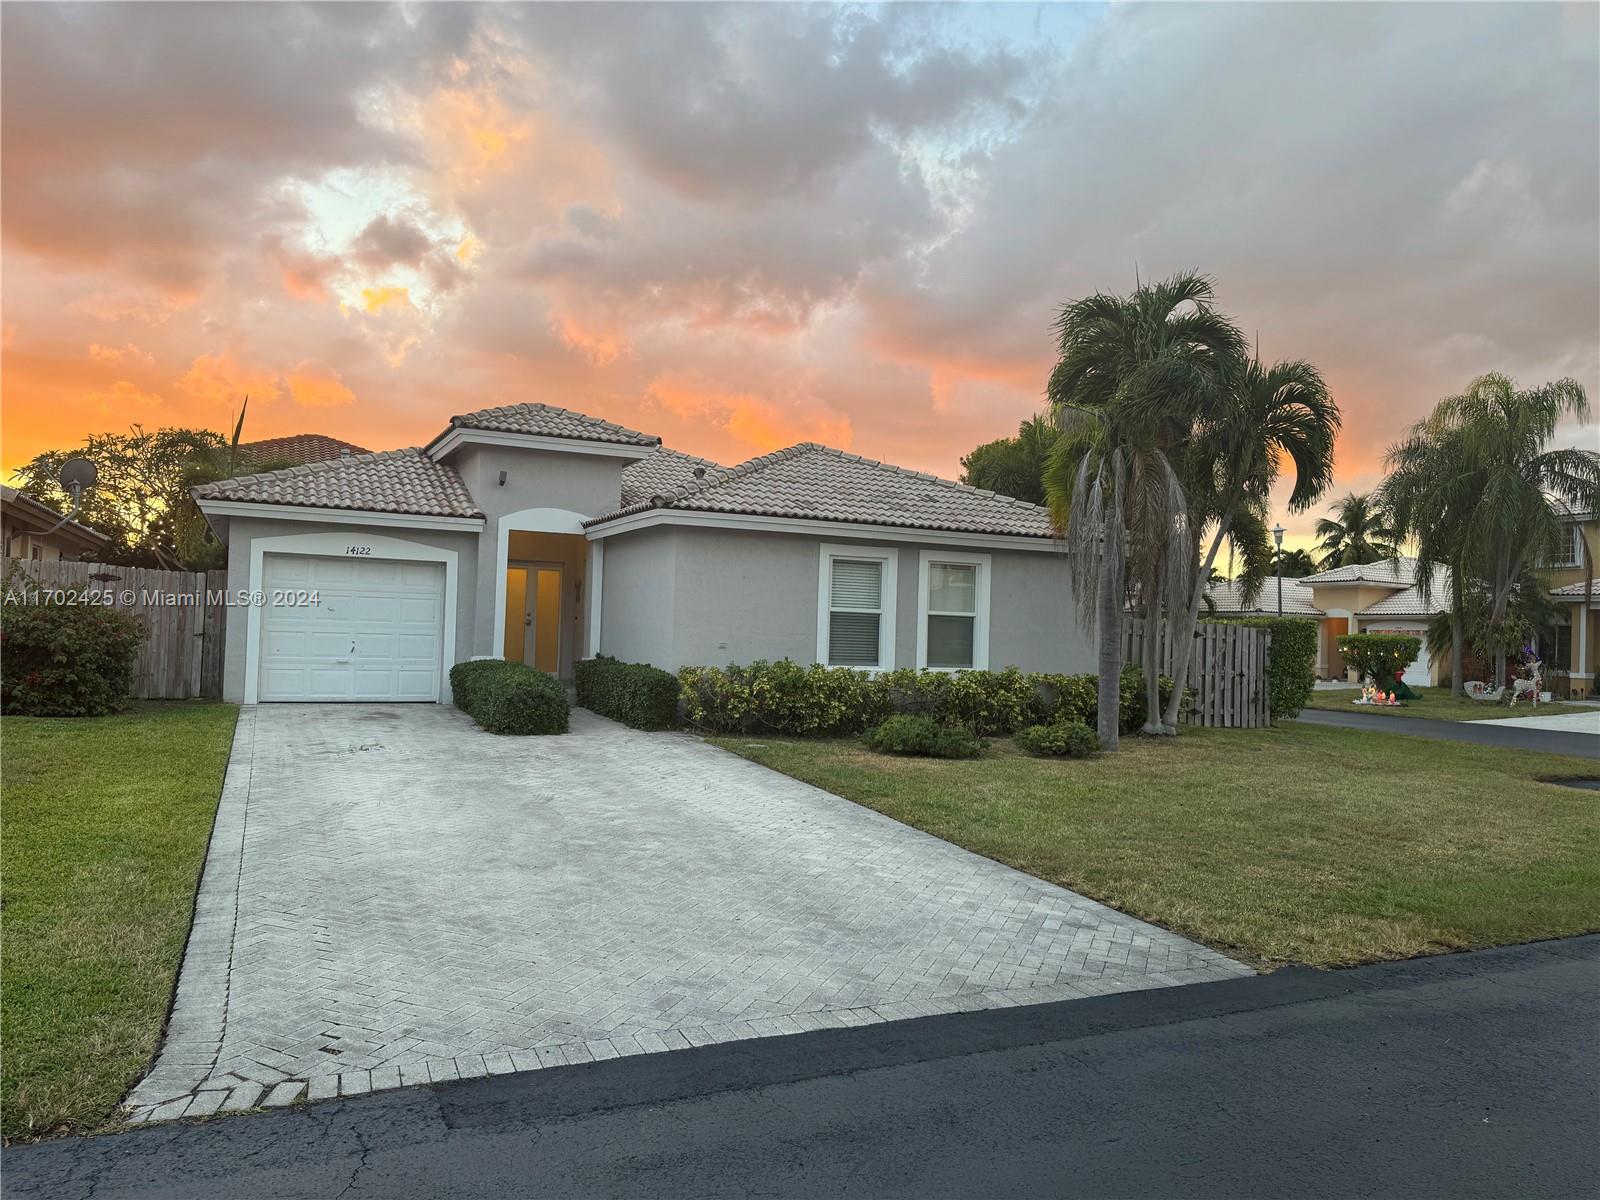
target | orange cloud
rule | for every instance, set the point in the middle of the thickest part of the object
(221, 380)
(129, 353)
(375, 299)
(600, 348)
(748, 418)
(125, 401)
(318, 387)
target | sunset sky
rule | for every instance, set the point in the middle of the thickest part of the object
(741, 227)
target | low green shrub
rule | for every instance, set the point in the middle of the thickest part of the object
(1292, 666)
(923, 736)
(636, 694)
(64, 660)
(1060, 739)
(1380, 656)
(510, 698)
(786, 698)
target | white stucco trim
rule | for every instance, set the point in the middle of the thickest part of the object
(980, 620)
(454, 439)
(337, 545)
(595, 583)
(879, 533)
(527, 520)
(889, 556)
(336, 516)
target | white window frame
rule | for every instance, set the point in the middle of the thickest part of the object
(980, 617)
(1574, 555)
(889, 557)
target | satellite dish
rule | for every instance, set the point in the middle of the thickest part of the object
(77, 474)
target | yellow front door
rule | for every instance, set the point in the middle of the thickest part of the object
(533, 617)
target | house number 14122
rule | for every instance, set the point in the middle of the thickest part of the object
(358, 550)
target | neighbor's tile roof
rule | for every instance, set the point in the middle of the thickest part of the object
(545, 420)
(1409, 603)
(1389, 572)
(819, 483)
(295, 450)
(1228, 596)
(1574, 591)
(395, 481)
(660, 472)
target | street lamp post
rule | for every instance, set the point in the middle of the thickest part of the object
(1277, 536)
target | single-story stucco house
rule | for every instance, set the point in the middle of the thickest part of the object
(542, 535)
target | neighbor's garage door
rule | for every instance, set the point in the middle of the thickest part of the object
(1419, 672)
(374, 633)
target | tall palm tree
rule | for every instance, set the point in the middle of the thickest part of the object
(1476, 487)
(1262, 418)
(1357, 533)
(1131, 372)
(1296, 564)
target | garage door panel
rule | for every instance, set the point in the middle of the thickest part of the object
(375, 633)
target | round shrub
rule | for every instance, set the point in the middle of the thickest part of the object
(507, 697)
(1060, 739)
(65, 660)
(923, 736)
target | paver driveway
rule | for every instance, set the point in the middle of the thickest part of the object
(393, 896)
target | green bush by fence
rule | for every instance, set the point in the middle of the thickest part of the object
(508, 697)
(636, 694)
(1060, 739)
(1293, 670)
(816, 701)
(65, 660)
(1380, 656)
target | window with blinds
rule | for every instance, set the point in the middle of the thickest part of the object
(855, 613)
(952, 614)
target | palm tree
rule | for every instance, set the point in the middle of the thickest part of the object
(1358, 533)
(1013, 466)
(1262, 418)
(1296, 564)
(1131, 372)
(1476, 487)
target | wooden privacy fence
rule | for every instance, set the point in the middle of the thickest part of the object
(1228, 674)
(184, 615)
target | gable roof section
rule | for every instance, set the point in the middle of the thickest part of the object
(1409, 603)
(545, 420)
(38, 517)
(296, 450)
(819, 483)
(661, 472)
(394, 481)
(1400, 572)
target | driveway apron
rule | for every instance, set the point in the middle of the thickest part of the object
(393, 896)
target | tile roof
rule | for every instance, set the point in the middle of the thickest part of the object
(660, 472)
(37, 512)
(545, 420)
(813, 482)
(1400, 572)
(295, 450)
(1409, 603)
(1574, 591)
(1228, 597)
(395, 481)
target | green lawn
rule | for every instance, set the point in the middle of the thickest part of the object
(1440, 705)
(106, 822)
(1297, 844)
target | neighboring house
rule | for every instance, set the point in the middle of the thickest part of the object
(541, 535)
(1381, 598)
(294, 451)
(35, 531)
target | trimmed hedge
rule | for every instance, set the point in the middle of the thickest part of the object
(636, 694)
(817, 701)
(1293, 670)
(509, 698)
(1062, 739)
(923, 736)
(1380, 656)
(65, 660)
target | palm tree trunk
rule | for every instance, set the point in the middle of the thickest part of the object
(1458, 686)
(1151, 666)
(1108, 620)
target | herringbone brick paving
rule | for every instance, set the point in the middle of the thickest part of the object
(393, 896)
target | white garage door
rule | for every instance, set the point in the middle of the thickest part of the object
(375, 631)
(1417, 674)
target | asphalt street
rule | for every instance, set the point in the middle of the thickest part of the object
(1463, 1075)
(1555, 741)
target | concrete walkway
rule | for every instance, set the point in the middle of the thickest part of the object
(1466, 1075)
(1584, 722)
(1513, 736)
(393, 896)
